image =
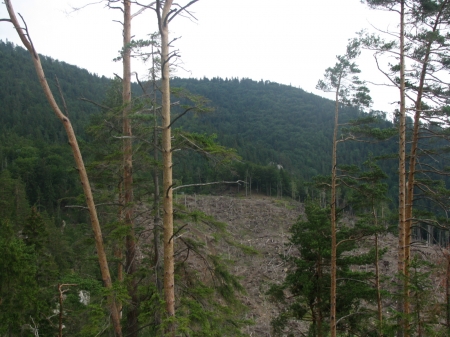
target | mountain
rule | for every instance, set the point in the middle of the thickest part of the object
(24, 109)
(269, 122)
(270, 125)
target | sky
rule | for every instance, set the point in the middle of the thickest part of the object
(286, 41)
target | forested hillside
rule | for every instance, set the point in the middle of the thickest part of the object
(268, 122)
(265, 122)
(225, 207)
(283, 137)
(24, 110)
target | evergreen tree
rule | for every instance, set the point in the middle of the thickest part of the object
(349, 90)
(304, 294)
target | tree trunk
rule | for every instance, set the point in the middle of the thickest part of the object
(130, 244)
(103, 263)
(333, 267)
(413, 161)
(402, 179)
(169, 282)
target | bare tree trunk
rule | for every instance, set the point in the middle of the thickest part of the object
(103, 263)
(333, 266)
(169, 282)
(402, 179)
(130, 244)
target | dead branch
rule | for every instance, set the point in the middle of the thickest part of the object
(212, 183)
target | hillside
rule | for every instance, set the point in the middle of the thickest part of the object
(222, 239)
(266, 122)
(24, 110)
(269, 122)
(264, 224)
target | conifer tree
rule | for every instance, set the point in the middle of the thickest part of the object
(165, 14)
(423, 25)
(304, 294)
(349, 90)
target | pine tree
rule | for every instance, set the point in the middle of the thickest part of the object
(349, 90)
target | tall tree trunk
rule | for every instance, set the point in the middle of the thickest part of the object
(103, 263)
(333, 269)
(413, 160)
(169, 282)
(402, 180)
(130, 244)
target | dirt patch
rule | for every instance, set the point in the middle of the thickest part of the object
(262, 224)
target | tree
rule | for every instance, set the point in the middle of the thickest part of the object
(127, 192)
(399, 7)
(368, 192)
(165, 14)
(304, 293)
(421, 43)
(103, 263)
(349, 90)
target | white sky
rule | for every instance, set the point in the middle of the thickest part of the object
(284, 41)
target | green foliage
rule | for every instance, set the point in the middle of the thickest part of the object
(13, 201)
(18, 286)
(304, 294)
(288, 125)
(341, 78)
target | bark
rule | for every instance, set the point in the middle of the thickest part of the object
(333, 267)
(402, 178)
(169, 282)
(130, 244)
(103, 263)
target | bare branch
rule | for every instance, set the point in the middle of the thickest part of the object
(212, 183)
(144, 7)
(76, 9)
(95, 103)
(183, 9)
(180, 115)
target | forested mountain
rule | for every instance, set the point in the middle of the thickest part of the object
(267, 123)
(270, 125)
(24, 110)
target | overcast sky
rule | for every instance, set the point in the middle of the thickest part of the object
(284, 41)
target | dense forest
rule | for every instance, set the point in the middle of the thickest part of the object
(145, 232)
